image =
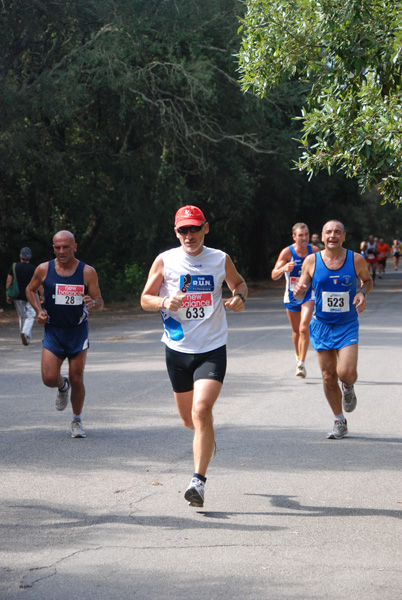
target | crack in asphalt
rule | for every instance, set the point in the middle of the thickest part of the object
(37, 574)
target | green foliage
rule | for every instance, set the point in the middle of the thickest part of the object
(120, 282)
(349, 53)
(115, 113)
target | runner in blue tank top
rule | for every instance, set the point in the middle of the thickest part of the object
(71, 290)
(289, 263)
(334, 328)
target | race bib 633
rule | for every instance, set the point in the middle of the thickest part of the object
(199, 300)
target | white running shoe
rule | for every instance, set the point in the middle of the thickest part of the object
(339, 431)
(194, 494)
(77, 430)
(62, 397)
(349, 399)
(301, 371)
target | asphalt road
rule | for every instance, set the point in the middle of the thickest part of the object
(288, 514)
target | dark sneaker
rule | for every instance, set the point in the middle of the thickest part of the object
(194, 494)
(349, 399)
(339, 431)
(25, 339)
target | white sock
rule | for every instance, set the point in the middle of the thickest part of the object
(76, 417)
(340, 417)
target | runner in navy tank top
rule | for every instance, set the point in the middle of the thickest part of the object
(334, 328)
(63, 297)
(71, 290)
(289, 263)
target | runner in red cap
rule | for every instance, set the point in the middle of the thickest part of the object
(185, 284)
(189, 215)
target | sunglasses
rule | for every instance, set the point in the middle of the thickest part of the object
(192, 228)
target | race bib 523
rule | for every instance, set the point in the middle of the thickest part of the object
(335, 302)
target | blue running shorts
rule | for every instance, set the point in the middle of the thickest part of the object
(327, 336)
(66, 342)
(295, 305)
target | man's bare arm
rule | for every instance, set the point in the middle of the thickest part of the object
(150, 299)
(284, 264)
(305, 279)
(32, 289)
(93, 300)
(366, 282)
(237, 285)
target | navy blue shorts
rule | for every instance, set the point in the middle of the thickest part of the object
(184, 368)
(66, 342)
(327, 336)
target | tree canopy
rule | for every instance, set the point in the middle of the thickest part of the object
(117, 112)
(349, 53)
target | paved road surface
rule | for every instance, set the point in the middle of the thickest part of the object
(288, 513)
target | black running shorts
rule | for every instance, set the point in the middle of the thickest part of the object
(184, 368)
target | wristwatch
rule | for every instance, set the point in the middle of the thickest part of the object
(241, 296)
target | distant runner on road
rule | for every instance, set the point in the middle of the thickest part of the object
(289, 263)
(371, 255)
(396, 252)
(71, 290)
(334, 328)
(383, 253)
(185, 284)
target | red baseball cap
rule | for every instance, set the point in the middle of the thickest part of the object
(189, 215)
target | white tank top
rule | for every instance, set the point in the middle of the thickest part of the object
(200, 325)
